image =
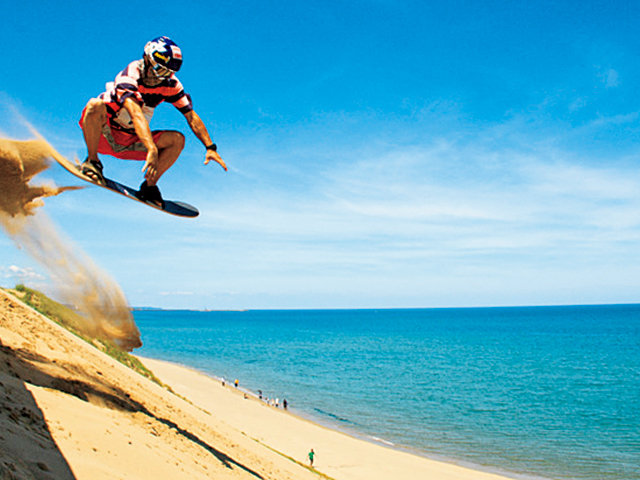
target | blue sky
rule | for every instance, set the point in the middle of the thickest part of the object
(380, 153)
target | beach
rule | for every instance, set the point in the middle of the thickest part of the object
(70, 411)
(338, 455)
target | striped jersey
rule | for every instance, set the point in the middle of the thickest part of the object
(128, 84)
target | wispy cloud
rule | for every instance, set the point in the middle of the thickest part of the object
(422, 208)
(610, 78)
(20, 275)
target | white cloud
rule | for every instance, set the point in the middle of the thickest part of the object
(608, 76)
(612, 78)
(21, 275)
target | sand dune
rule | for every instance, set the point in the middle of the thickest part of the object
(69, 411)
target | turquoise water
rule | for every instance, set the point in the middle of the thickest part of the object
(539, 392)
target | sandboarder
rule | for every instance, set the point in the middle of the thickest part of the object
(117, 122)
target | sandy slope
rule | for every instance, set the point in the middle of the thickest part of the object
(69, 411)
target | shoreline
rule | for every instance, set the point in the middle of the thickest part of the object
(340, 454)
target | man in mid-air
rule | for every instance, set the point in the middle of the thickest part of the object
(117, 122)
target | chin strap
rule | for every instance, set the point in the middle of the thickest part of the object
(147, 75)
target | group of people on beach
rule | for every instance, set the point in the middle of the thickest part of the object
(274, 402)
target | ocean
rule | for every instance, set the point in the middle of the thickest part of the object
(528, 392)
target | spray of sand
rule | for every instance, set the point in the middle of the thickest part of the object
(83, 285)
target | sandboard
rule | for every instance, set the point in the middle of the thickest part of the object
(179, 209)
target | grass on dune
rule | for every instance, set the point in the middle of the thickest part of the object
(72, 321)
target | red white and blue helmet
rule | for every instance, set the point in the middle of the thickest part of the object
(164, 56)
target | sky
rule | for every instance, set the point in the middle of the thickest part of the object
(381, 153)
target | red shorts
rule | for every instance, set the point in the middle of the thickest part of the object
(119, 144)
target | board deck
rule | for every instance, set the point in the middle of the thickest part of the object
(171, 207)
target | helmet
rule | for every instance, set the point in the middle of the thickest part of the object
(163, 55)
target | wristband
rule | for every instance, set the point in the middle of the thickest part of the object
(213, 147)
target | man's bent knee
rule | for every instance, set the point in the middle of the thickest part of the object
(171, 139)
(95, 109)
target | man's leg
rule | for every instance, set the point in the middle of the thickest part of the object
(170, 145)
(93, 119)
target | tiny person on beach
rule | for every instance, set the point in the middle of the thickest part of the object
(311, 455)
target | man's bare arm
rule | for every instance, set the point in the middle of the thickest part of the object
(200, 131)
(143, 131)
(140, 124)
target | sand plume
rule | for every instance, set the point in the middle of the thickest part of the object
(82, 284)
(20, 161)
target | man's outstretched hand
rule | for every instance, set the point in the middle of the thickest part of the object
(212, 155)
